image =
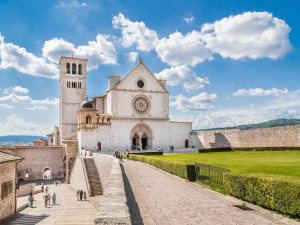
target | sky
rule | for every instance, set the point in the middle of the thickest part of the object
(226, 63)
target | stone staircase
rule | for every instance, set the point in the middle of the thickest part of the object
(93, 177)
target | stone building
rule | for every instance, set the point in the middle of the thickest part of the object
(134, 112)
(40, 142)
(41, 162)
(54, 138)
(8, 199)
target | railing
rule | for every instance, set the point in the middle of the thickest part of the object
(210, 175)
(86, 177)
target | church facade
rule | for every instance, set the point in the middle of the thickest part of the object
(133, 113)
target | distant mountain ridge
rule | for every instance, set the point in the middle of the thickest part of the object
(268, 124)
(18, 139)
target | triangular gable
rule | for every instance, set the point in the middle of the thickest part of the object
(140, 71)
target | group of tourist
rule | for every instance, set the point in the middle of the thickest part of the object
(118, 155)
(81, 194)
(47, 199)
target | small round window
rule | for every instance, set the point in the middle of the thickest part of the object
(140, 84)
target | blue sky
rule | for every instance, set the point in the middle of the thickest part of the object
(226, 62)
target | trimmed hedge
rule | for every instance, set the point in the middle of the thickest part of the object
(147, 153)
(228, 149)
(206, 150)
(186, 171)
(271, 191)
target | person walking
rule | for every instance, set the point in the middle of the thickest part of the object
(46, 200)
(43, 187)
(31, 200)
(127, 154)
(84, 196)
(78, 195)
(49, 198)
(113, 153)
(81, 193)
(47, 189)
(54, 198)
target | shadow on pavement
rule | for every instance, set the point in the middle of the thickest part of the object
(23, 219)
(134, 211)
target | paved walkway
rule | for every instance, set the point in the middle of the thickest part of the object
(67, 211)
(157, 197)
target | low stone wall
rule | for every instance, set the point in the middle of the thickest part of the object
(113, 208)
(268, 137)
(78, 179)
(25, 189)
(104, 165)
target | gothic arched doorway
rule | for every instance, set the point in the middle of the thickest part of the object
(141, 135)
(186, 143)
(135, 140)
(144, 140)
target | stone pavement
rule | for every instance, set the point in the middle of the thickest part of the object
(157, 197)
(67, 210)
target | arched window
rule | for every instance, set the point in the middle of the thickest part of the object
(73, 68)
(68, 68)
(88, 120)
(80, 69)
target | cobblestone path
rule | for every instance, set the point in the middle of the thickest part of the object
(67, 211)
(157, 197)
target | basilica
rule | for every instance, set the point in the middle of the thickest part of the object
(133, 113)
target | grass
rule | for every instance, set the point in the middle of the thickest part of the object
(285, 163)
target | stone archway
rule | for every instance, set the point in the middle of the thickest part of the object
(47, 172)
(141, 136)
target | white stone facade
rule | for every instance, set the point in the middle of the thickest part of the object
(134, 112)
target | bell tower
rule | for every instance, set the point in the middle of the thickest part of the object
(72, 92)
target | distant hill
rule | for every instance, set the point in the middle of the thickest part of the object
(18, 139)
(268, 124)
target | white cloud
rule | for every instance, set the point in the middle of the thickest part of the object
(133, 56)
(15, 125)
(189, 20)
(200, 102)
(20, 89)
(97, 52)
(37, 108)
(181, 49)
(286, 106)
(182, 75)
(55, 48)
(47, 101)
(249, 35)
(135, 33)
(261, 92)
(26, 99)
(13, 56)
(7, 106)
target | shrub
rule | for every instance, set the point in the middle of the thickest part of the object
(228, 149)
(206, 150)
(271, 191)
(147, 153)
(186, 171)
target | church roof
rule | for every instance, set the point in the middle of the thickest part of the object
(140, 62)
(100, 96)
(8, 157)
(87, 105)
(71, 137)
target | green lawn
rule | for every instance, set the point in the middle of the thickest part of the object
(286, 163)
